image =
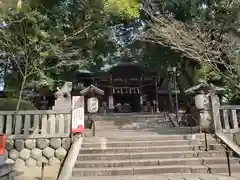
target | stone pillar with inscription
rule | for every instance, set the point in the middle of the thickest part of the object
(110, 97)
(156, 92)
(63, 97)
(141, 94)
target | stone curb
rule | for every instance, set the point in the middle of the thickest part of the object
(66, 172)
(5, 171)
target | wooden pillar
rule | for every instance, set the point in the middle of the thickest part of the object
(110, 97)
(141, 93)
(156, 93)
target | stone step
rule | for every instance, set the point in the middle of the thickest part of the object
(131, 124)
(130, 132)
(151, 123)
(136, 133)
(173, 176)
(140, 149)
(152, 137)
(105, 143)
(135, 126)
(116, 171)
(134, 121)
(130, 121)
(154, 162)
(129, 116)
(150, 155)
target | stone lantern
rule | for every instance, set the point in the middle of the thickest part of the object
(92, 93)
(202, 104)
(199, 101)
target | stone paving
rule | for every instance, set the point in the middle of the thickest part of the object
(166, 177)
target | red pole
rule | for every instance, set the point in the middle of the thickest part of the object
(2, 143)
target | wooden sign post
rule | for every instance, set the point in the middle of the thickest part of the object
(78, 114)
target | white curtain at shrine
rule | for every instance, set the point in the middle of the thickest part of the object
(126, 90)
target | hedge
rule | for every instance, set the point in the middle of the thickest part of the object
(10, 104)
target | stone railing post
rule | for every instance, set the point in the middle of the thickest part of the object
(215, 112)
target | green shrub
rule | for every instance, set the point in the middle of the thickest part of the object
(10, 104)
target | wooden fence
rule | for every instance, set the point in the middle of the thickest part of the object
(35, 123)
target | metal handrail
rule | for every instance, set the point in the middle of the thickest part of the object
(219, 138)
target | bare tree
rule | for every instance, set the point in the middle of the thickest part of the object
(198, 42)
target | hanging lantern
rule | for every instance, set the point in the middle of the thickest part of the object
(92, 105)
(199, 101)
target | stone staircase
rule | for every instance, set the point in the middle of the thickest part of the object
(133, 121)
(151, 155)
(127, 124)
(142, 145)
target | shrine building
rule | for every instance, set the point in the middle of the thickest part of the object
(127, 88)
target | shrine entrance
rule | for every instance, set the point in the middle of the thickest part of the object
(127, 88)
(128, 102)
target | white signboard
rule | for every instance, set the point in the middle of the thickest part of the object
(141, 100)
(110, 102)
(92, 105)
(77, 114)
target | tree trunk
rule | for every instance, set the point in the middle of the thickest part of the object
(20, 93)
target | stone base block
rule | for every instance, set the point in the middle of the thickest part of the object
(236, 138)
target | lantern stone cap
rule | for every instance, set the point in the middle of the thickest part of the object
(91, 89)
(202, 85)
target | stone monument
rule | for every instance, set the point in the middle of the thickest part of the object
(63, 97)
